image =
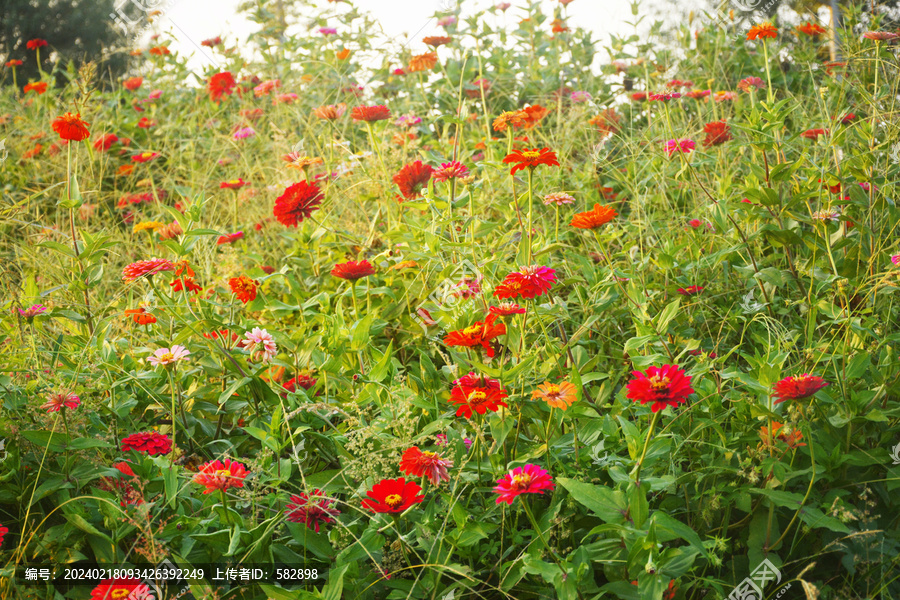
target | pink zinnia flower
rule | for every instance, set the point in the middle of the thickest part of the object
(446, 21)
(450, 170)
(682, 145)
(167, 356)
(665, 96)
(244, 132)
(61, 400)
(260, 344)
(558, 198)
(751, 83)
(529, 479)
(580, 97)
(327, 30)
(896, 259)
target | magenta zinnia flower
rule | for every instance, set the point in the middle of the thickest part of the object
(663, 386)
(682, 145)
(61, 400)
(32, 311)
(797, 388)
(311, 510)
(528, 479)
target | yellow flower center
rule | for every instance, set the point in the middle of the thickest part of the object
(119, 593)
(472, 329)
(531, 154)
(168, 356)
(521, 481)
(477, 397)
(659, 383)
(394, 500)
(235, 181)
(429, 454)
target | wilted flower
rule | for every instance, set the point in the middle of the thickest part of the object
(60, 400)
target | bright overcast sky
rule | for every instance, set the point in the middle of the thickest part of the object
(194, 20)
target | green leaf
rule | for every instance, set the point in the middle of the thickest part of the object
(638, 506)
(334, 589)
(667, 314)
(380, 370)
(607, 504)
(675, 528)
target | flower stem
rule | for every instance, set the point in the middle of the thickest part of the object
(637, 470)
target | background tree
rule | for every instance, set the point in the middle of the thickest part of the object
(74, 29)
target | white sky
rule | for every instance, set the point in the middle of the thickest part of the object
(192, 21)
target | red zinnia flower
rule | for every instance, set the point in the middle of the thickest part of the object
(221, 84)
(594, 218)
(35, 44)
(211, 42)
(184, 278)
(144, 157)
(71, 127)
(393, 496)
(765, 30)
(140, 316)
(3, 532)
(751, 83)
(527, 479)
(105, 141)
(478, 334)
(370, 113)
(813, 134)
(143, 268)
(311, 510)
(61, 400)
(307, 382)
(506, 309)
(352, 270)
(229, 238)
(451, 170)
(133, 83)
(120, 589)
(530, 282)
(416, 463)
(159, 51)
(244, 288)
(146, 123)
(412, 178)
(476, 399)
(297, 203)
(151, 442)
(663, 386)
(530, 159)
(38, 87)
(797, 388)
(221, 475)
(15, 62)
(717, 132)
(811, 29)
(233, 184)
(691, 290)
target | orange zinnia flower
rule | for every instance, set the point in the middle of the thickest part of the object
(244, 288)
(765, 30)
(330, 111)
(478, 334)
(556, 395)
(436, 40)
(71, 127)
(811, 29)
(594, 218)
(422, 62)
(140, 316)
(534, 114)
(40, 87)
(511, 118)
